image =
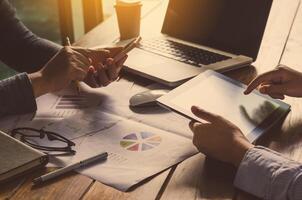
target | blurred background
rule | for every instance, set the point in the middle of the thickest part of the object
(56, 19)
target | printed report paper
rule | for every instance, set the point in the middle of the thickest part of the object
(140, 145)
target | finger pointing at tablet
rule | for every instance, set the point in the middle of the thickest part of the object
(277, 83)
(268, 77)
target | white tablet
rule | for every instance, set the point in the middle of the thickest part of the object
(216, 93)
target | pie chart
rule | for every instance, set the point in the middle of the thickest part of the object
(141, 141)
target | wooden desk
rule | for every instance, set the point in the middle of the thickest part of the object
(197, 177)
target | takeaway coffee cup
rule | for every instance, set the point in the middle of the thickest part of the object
(128, 15)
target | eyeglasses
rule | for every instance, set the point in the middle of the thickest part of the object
(40, 139)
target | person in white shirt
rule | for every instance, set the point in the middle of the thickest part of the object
(261, 171)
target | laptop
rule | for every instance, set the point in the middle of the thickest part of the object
(198, 35)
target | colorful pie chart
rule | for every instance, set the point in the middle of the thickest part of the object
(142, 141)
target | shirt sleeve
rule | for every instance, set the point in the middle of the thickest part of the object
(269, 175)
(17, 95)
(19, 47)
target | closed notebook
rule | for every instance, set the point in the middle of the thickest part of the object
(17, 158)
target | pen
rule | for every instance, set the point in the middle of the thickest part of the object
(68, 41)
(64, 170)
(76, 82)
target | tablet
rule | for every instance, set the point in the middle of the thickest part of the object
(253, 114)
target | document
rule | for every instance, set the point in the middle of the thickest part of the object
(85, 123)
(63, 104)
(140, 143)
(136, 152)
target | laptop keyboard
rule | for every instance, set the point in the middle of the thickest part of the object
(181, 52)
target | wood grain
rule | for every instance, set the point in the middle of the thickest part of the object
(286, 136)
(197, 177)
(147, 191)
(276, 34)
(192, 179)
(9, 189)
(200, 178)
(74, 186)
(289, 140)
(98, 190)
(70, 186)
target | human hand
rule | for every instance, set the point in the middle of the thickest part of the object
(96, 67)
(66, 66)
(104, 69)
(278, 83)
(218, 137)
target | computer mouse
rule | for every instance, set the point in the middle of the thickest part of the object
(147, 98)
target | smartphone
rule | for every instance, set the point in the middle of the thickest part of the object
(131, 45)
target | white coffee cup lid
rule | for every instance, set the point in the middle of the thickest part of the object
(128, 2)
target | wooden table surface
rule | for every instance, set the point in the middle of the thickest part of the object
(197, 177)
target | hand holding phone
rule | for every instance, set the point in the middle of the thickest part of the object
(109, 71)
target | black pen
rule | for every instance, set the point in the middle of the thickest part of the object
(64, 170)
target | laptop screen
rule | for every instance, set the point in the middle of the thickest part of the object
(234, 26)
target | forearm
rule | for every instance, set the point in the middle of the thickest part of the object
(16, 95)
(19, 47)
(27, 52)
(269, 175)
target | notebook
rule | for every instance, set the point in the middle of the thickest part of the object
(17, 158)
